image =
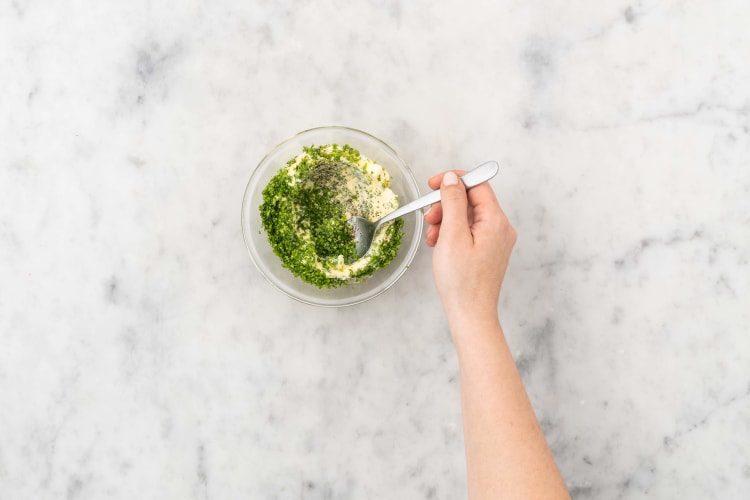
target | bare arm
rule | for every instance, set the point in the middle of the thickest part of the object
(506, 453)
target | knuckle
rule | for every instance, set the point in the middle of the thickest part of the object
(506, 229)
(503, 224)
(512, 234)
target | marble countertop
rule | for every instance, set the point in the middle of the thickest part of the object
(142, 355)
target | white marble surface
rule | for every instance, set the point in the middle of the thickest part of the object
(143, 356)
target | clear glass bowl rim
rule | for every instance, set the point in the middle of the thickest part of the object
(412, 251)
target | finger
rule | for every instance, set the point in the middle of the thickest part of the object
(488, 213)
(435, 181)
(483, 202)
(482, 194)
(435, 214)
(433, 233)
(455, 224)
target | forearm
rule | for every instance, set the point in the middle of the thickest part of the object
(506, 452)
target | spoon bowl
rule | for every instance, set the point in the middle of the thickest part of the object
(364, 230)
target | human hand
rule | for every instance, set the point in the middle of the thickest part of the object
(506, 453)
(473, 240)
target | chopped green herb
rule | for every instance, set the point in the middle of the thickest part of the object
(305, 209)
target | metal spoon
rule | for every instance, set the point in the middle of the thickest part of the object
(364, 230)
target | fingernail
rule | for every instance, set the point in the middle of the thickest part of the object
(450, 179)
(426, 211)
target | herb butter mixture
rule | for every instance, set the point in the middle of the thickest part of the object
(306, 206)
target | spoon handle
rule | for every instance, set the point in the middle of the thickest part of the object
(478, 175)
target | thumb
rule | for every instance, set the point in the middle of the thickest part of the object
(455, 223)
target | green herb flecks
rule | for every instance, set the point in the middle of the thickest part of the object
(304, 212)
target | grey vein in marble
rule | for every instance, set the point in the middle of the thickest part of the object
(142, 355)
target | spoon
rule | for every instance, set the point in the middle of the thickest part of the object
(364, 230)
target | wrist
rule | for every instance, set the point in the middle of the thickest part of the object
(473, 325)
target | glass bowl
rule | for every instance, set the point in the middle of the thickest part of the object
(256, 240)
